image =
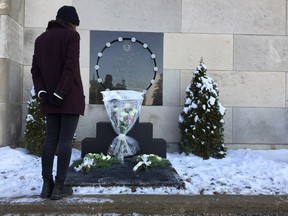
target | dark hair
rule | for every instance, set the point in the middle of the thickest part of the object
(65, 23)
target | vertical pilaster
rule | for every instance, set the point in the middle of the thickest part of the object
(11, 71)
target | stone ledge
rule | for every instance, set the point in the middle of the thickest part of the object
(148, 205)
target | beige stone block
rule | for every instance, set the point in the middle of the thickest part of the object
(171, 94)
(87, 123)
(3, 124)
(30, 35)
(15, 82)
(4, 80)
(184, 51)
(85, 75)
(27, 84)
(84, 48)
(172, 147)
(262, 53)
(39, 12)
(13, 124)
(17, 11)
(261, 146)
(11, 75)
(126, 15)
(250, 89)
(10, 124)
(234, 16)
(228, 129)
(10, 102)
(185, 80)
(11, 39)
(286, 99)
(5, 6)
(237, 88)
(260, 126)
(164, 120)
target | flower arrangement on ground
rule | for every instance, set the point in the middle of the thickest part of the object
(94, 160)
(148, 160)
(123, 108)
(91, 161)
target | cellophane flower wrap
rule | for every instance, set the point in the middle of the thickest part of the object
(123, 108)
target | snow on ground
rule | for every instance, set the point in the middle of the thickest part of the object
(242, 172)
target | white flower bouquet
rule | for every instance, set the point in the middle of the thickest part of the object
(148, 160)
(91, 161)
(123, 108)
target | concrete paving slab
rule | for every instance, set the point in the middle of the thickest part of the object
(147, 205)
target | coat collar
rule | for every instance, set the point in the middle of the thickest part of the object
(54, 24)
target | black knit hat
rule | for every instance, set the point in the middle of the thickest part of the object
(68, 13)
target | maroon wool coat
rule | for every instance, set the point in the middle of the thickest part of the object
(55, 69)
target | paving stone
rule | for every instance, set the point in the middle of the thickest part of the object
(145, 204)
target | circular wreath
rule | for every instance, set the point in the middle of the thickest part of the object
(121, 39)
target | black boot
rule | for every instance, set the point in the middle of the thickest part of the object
(48, 186)
(60, 191)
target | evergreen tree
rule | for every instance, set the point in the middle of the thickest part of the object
(201, 121)
(35, 126)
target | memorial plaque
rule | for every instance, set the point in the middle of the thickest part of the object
(126, 60)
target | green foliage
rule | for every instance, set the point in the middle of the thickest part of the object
(201, 121)
(35, 126)
(155, 160)
(148, 160)
(91, 161)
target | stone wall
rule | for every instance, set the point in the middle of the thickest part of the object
(11, 71)
(244, 45)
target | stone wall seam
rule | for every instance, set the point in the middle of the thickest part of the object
(286, 90)
(232, 120)
(233, 54)
(286, 17)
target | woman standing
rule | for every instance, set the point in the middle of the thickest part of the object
(57, 81)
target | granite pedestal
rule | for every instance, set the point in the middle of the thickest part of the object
(142, 132)
(122, 174)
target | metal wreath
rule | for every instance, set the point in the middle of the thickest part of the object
(134, 40)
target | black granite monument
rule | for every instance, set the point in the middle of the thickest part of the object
(125, 62)
(142, 132)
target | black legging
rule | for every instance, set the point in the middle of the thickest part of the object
(60, 129)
